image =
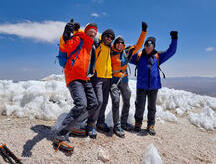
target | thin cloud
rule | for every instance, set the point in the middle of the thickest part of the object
(47, 31)
(95, 15)
(25, 69)
(209, 49)
(104, 13)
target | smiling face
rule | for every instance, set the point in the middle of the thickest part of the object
(108, 39)
(149, 48)
(91, 33)
(119, 45)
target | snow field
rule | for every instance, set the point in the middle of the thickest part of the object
(49, 98)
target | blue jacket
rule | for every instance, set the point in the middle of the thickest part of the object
(148, 75)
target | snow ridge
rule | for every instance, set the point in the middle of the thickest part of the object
(49, 98)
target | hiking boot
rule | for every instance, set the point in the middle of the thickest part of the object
(103, 127)
(62, 142)
(119, 131)
(151, 130)
(137, 127)
(91, 132)
(78, 131)
(127, 127)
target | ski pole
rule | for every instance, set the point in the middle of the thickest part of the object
(4, 155)
(11, 154)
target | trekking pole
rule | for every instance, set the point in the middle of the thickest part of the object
(4, 155)
(11, 154)
(129, 58)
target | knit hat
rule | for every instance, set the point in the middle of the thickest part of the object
(117, 40)
(90, 25)
(108, 32)
(150, 40)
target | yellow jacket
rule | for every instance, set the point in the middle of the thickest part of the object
(103, 65)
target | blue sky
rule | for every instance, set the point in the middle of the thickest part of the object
(29, 32)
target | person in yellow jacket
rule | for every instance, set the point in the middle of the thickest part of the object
(120, 56)
(102, 79)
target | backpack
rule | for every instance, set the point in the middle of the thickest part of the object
(62, 56)
(157, 57)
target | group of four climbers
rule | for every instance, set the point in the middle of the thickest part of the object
(95, 69)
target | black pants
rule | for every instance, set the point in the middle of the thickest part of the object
(101, 87)
(85, 102)
(140, 105)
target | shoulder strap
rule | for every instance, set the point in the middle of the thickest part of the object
(157, 57)
(137, 60)
(74, 51)
(98, 52)
(138, 57)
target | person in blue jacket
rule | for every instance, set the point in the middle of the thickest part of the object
(148, 79)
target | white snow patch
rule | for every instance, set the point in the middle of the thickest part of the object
(151, 155)
(49, 98)
(206, 119)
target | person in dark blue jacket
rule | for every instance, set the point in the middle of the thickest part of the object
(148, 79)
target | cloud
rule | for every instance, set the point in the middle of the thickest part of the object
(95, 15)
(209, 49)
(25, 69)
(98, 1)
(46, 31)
(104, 13)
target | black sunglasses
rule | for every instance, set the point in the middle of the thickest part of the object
(109, 36)
(119, 42)
(149, 45)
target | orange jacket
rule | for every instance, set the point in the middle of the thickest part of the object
(118, 68)
(79, 70)
(119, 60)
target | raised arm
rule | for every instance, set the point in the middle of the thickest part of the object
(133, 49)
(164, 56)
(141, 39)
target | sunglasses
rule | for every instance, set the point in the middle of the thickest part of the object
(109, 36)
(149, 45)
(119, 42)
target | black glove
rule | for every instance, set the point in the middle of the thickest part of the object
(76, 26)
(144, 26)
(174, 34)
(69, 28)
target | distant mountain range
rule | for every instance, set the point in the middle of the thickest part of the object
(199, 85)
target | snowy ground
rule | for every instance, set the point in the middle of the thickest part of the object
(38, 104)
(49, 98)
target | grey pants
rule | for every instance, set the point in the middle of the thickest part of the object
(140, 105)
(101, 87)
(85, 101)
(115, 92)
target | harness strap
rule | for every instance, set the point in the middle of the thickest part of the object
(74, 51)
(156, 56)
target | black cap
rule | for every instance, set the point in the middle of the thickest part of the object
(106, 32)
(150, 40)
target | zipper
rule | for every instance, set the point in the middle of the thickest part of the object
(107, 63)
(89, 62)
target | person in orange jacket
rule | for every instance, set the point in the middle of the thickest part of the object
(76, 76)
(120, 57)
